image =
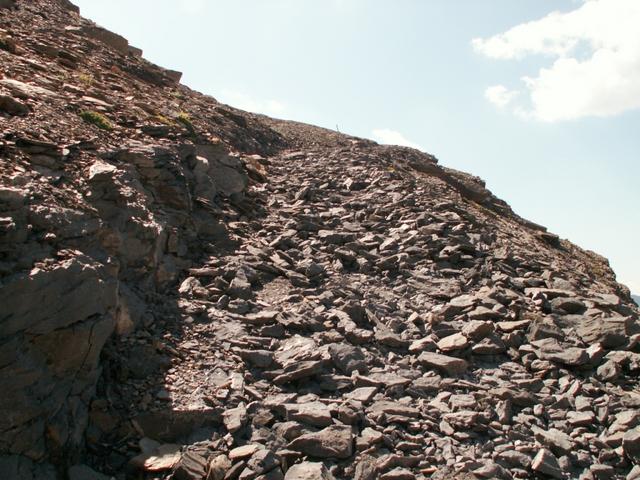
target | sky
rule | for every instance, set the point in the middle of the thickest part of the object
(540, 98)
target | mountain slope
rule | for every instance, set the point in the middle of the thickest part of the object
(189, 288)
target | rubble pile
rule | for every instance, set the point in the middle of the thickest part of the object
(190, 291)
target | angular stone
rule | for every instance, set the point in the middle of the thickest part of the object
(398, 474)
(12, 106)
(163, 458)
(347, 358)
(218, 467)
(449, 365)
(308, 471)
(190, 467)
(463, 301)
(298, 371)
(483, 313)
(261, 462)
(311, 413)
(491, 345)
(391, 339)
(610, 332)
(395, 409)
(631, 444)
(362, 394)
(240, 288)
(257, 358)
(550, 349)
(477, 329)
(244, 451)
(465, 419)
(457, 341)
(235, 418)
(568, 305)
(333, 442)
(368, 438)
(556, 440)
(545, 462)
(512, 326)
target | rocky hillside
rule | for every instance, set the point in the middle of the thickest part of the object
(190, 291)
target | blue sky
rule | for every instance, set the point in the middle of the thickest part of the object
(540, 98)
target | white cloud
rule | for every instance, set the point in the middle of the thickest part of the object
(594, 55)
(391, 137)
(246, 102)
(500, 95)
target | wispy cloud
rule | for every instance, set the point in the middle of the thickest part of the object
(247, 102)
(392, 137)
(500, 95)
(594, 61)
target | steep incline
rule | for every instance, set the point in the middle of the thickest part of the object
(187, 289)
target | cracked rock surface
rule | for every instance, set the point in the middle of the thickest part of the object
(190, 291)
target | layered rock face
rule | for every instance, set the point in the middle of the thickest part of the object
(191, 291)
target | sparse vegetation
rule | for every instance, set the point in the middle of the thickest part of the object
(86, 79)
(177, 94)
(185, 119)
(96, 119)
(164, 120)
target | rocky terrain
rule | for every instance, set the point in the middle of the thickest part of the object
(190, 291)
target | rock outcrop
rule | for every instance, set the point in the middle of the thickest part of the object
(193, 291)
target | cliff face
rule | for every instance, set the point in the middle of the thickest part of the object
(260, 292)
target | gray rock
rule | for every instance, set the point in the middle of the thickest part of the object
(610, 332)
(545, 462)
(311, 413)
(190, 467)
(347, 358)
(261, 462)
(240, 287)
(235, 418)
(298, 371)
(12, 106)
(218, 467)
(332, 442)
(631, 444)
(444, 363)
(568, 305)
(362, 394)
(398, 474)
(478, 329)
(457, 341)
(308, 471)
(554, 439)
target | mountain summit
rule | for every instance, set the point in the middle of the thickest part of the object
(191, 291)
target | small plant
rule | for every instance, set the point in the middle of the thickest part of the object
(96, 119)
(164, 120)
(185, 119)
(177, 94)
(86, 79)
